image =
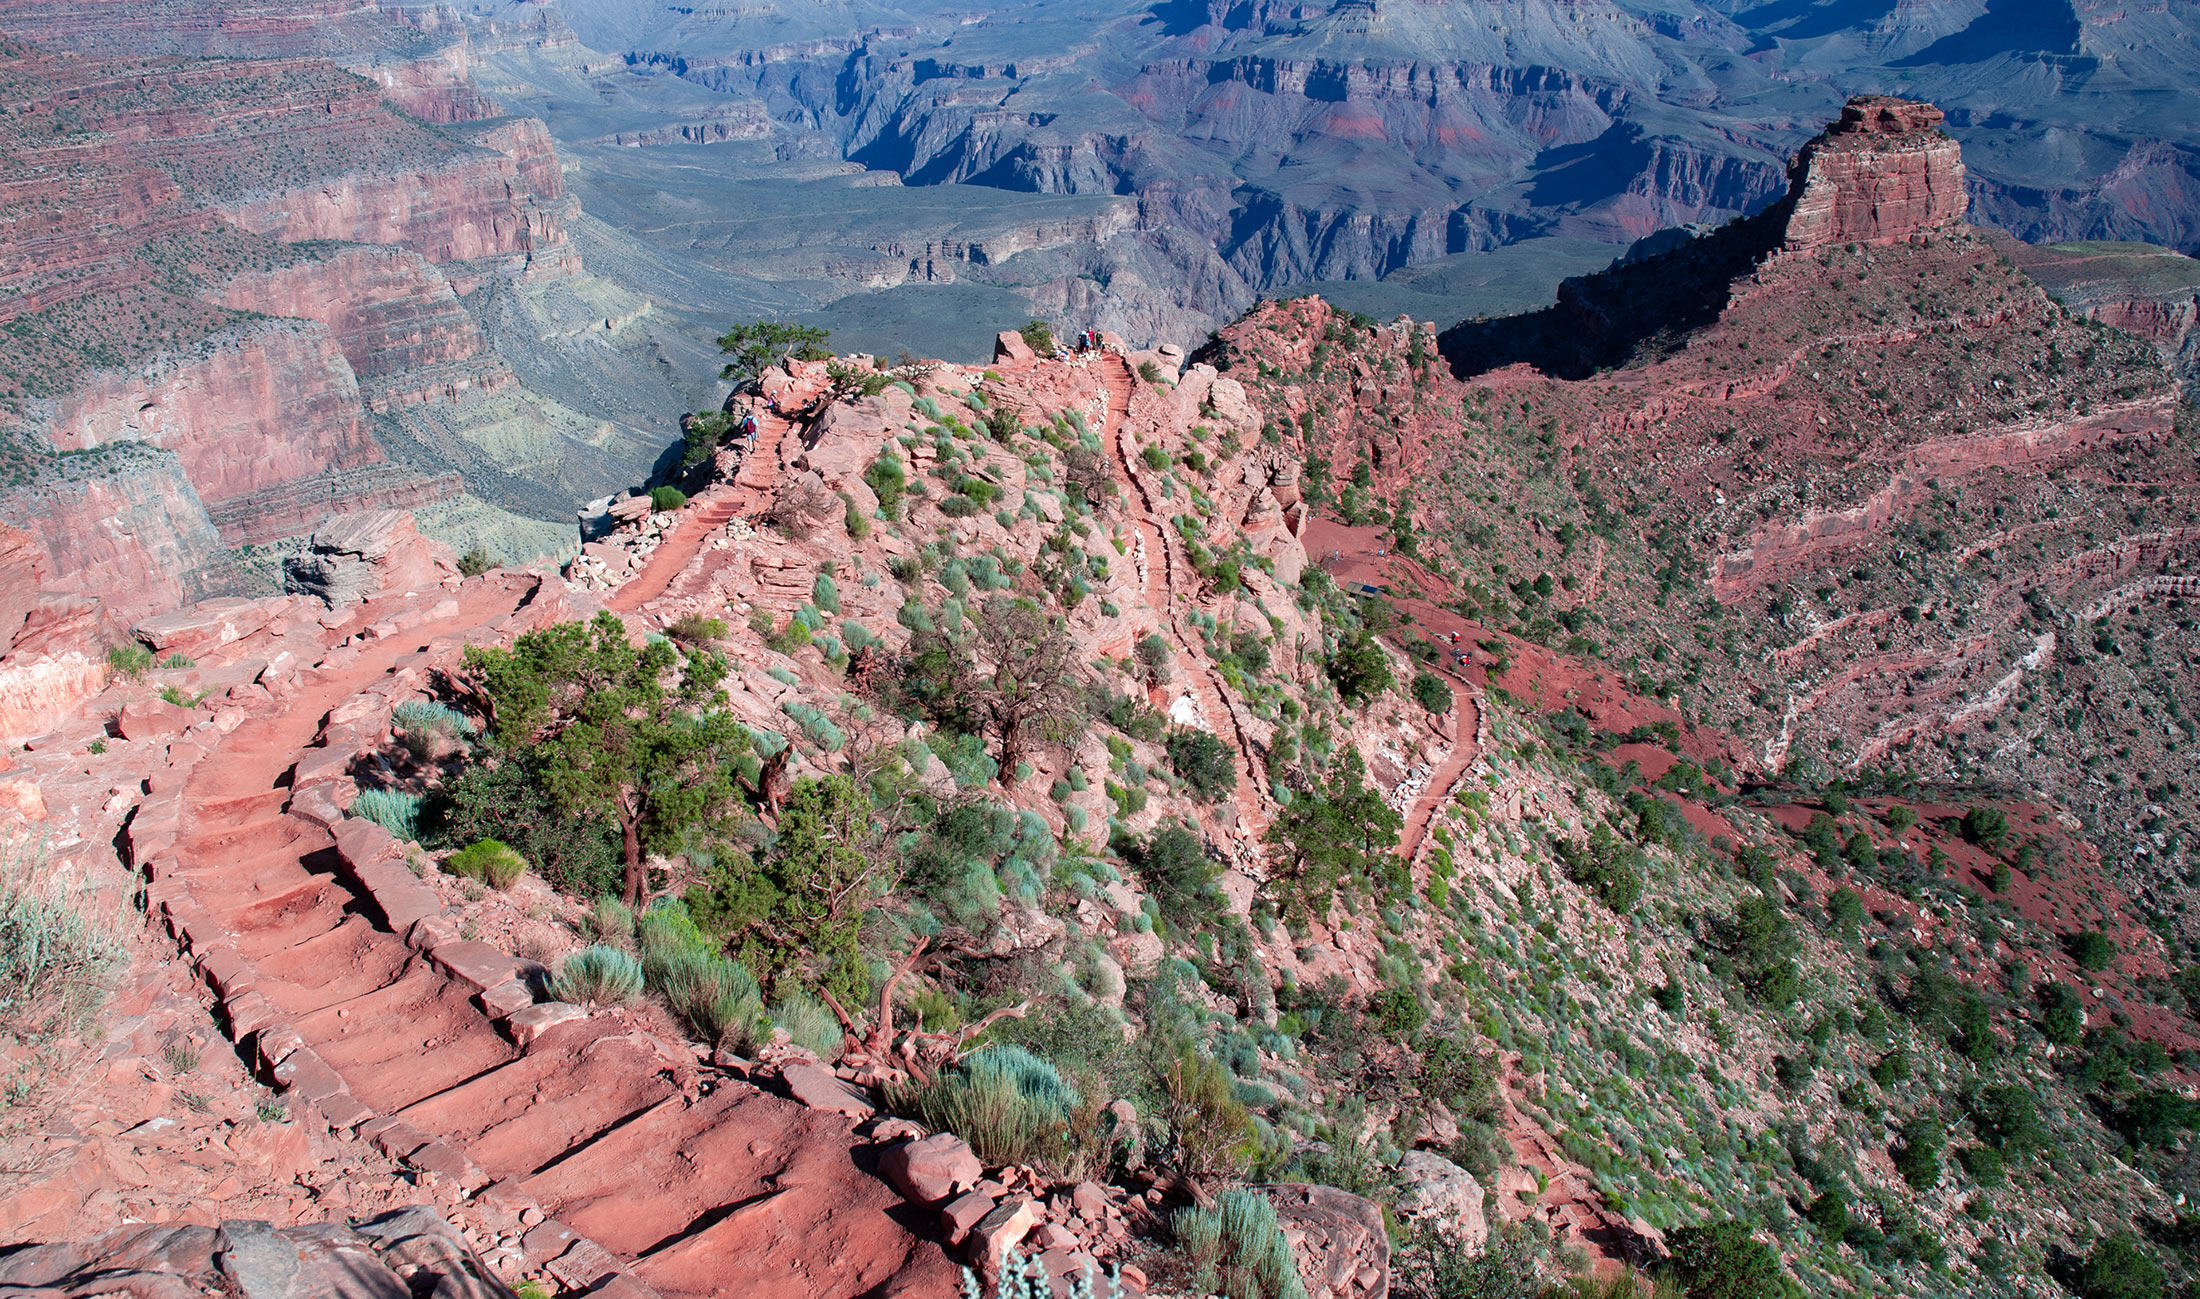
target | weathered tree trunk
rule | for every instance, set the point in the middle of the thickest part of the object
(636, 877)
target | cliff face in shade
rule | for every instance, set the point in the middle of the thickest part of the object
(132, 534)
(260, 405)
(1882, 173)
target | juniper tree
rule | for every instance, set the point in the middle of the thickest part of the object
(618, 732)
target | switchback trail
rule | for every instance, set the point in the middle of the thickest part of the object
(697, 1192)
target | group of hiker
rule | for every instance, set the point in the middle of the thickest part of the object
(1088, 340)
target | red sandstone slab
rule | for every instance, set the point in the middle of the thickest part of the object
(400, 1044)
(528, 1113)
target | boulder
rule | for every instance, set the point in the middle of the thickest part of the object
(1009, 348)
(358, 556)
(149, 719)
(1342, 1248)
(204, 627)
(931, 1169)
(819, 1088)
(1002, 1230)
(964, 1212)
(1434, 1189)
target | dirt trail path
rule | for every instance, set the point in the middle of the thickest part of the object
(752, 486)
(672, 556)
(779, 1205)
(1164, 575)
(1466, 720)
(1563, 1195)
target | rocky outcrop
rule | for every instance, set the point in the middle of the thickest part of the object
(411, 1251)
(1440, 1192)
(252, 408)
(137, 538)
(1882, 173)
(357, 557)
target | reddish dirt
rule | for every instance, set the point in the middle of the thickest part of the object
(1545, 679)
(1569, 1203)
(751, 488)
(589, 1120)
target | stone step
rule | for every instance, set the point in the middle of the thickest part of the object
(522, 1117)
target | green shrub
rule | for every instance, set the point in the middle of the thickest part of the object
(717, 997)
(1437, 1264)
(394, 810)
(1203, 761)
(810, 1024)
(1725, 1261)
(1918, 1157)
(1983, 1164)
(598, 976)
(889, 481)
(1986, 826)
(489, 861)
(1431, 693)
(609, 921)
(666, 498)
(55, 956)
(1211, 1135)
(506, 801)
(426, 716)
(1237, 1248)
(175, 662)
(2092, 950)
(825, 593)
(2118, 1269)
(1606, 867)
(475, 562)
(1829, 1213)
(815, 724)
(1038, 335)
(1010, 1105)
(959, 507)
(1360, 668)
(129, 661)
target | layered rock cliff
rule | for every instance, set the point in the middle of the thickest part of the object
(274, 270)
(1883, 172)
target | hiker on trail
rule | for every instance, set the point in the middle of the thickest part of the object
(748, 430)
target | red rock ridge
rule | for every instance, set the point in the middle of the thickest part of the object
(138, 540)
(464, 210)
(262, 405)
(395, 316)
(1882, 173)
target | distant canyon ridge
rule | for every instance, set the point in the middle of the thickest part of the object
(282, 261)
(1153, 168)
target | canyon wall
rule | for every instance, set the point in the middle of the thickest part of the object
(1883, 172)
(132, 534)
(257, 406)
